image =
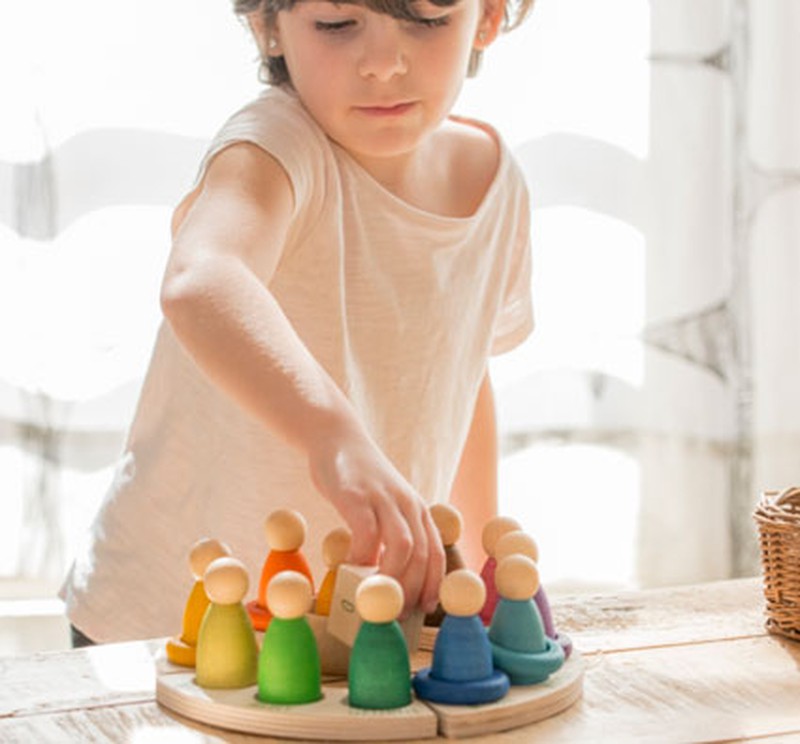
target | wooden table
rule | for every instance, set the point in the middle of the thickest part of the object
(675, 665)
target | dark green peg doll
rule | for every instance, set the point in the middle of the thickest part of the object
(379, 677)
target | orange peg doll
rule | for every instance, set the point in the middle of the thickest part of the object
(335, 548)
(286, 533)
(182, 650)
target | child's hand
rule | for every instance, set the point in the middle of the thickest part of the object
(389, 521)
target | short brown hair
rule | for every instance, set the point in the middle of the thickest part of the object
(275, 67)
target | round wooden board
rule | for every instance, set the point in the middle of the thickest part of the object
(328, 719)
(523, 705)
(332, 718)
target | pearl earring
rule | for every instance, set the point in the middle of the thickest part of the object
(272, 44)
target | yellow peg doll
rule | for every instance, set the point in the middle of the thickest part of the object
(182, 650)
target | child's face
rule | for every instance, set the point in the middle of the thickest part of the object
(377, 84)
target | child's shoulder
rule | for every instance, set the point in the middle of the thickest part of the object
(471, 132)
(275, 116)
(474, 154)
(270, 137)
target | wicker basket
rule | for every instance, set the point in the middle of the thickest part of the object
(778, 519)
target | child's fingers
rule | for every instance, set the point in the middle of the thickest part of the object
(398, 541)
(363, 552)
(414, 576)
(413, 572)
(366, 542)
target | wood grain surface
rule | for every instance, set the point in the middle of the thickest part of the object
(670, 665)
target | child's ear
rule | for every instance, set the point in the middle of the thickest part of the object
(266, 35)
(489, 26)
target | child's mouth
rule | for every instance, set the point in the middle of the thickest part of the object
(396, 109)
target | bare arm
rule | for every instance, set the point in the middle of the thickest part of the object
(474, 491)
(234, 328)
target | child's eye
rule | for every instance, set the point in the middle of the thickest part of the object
(435, 22)
(333, 27)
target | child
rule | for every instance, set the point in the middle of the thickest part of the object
(349, 258)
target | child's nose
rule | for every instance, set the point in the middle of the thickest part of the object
(383, 55)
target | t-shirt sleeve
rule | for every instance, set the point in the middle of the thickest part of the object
(515, 320)
(278, 124)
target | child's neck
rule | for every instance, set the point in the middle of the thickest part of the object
(404, 175)
(448, 174)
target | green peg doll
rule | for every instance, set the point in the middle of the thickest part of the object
(289, 665)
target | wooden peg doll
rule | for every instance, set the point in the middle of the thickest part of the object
(286, 533)
(520, 647)
(449, 523)
(227, 653)
(289, 665)
(462, 672)
(335, 548)
(493, 530)
(182, 650)
(379, 675)
(518, 542)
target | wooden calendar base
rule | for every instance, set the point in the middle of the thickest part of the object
(328, 719)
(521, 706)
(332, 719)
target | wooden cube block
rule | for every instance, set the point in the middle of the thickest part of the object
(344, 622)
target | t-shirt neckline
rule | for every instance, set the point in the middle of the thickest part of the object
(365, 175)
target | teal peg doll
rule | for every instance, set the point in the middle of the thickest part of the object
(520, 647)
(520, 542)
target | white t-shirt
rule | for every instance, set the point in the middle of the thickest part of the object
(401, 306)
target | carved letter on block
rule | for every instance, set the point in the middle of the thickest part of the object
(344, 622)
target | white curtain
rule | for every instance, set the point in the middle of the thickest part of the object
(658, 394)
(106, 109)
(657, 397)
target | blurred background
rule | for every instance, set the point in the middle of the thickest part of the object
(658, 395)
